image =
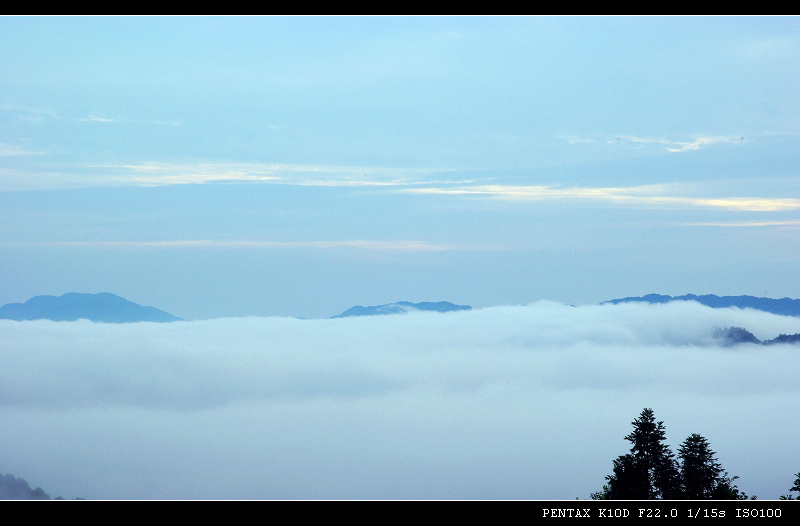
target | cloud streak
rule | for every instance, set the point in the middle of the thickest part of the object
(151, 174)
(627, 196)
(682, 146)
(747, 224)
(156, 174)
(9, 150)
(672, 146)
(97, 118)
(358, 244)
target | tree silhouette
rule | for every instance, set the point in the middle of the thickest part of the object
(702, 476)
(649, 471)
(795, 487)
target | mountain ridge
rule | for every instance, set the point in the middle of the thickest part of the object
(101, 307)
(783, 306)
(110, 308)
(735, 335)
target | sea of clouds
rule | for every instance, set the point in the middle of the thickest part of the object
(522, 402)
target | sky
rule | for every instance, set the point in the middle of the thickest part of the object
(515, 402)
(297, 166)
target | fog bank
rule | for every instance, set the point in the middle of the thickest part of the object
(507, 402)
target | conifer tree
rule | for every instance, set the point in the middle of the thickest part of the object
(795, 487)
(702, 476)
(649, 471)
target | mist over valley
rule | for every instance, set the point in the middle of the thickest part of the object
(502, 402)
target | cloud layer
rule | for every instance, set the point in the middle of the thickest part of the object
(511, 402)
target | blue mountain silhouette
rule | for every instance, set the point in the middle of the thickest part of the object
(784, 306)
(102, 307)
(401, 307)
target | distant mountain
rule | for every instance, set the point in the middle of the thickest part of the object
(13, 488)
(103, 307)
(737, 335)
(401, 307)
(785, 306)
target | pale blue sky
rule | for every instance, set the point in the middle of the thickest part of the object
(298, 166)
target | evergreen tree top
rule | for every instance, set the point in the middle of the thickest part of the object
(651, 471)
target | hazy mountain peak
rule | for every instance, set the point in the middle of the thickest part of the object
(401, 307)
(13, 488)
(102, 307)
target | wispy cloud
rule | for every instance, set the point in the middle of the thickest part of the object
(166, 174)
(9, 150)
(358, 244)
(670, 145)
(97, 118)
(632, 196)
(574, 139)
(770, 48)
(30, 114)
(158, 174)
(701, 141)
(682, 146)
(105, 119)
(735, 224)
